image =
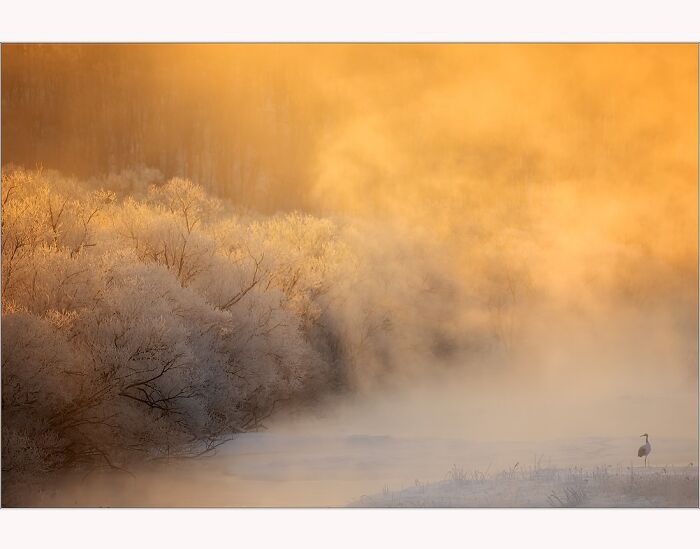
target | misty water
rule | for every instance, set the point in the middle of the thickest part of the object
(278, 470)
(570, 397)
(343, 455)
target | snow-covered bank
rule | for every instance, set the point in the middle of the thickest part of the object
(551, 487)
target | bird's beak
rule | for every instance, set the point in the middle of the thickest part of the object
(641, 435)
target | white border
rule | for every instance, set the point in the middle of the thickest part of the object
(356, 20)
(369, 21)
(351, 528)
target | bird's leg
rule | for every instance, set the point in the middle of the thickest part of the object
(645, 462)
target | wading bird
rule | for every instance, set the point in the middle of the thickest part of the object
(645, 450)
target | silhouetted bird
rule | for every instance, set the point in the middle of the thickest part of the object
(645, 450)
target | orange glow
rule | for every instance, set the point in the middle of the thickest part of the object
(492, 242)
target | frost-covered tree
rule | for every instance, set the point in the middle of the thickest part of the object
(160, 323)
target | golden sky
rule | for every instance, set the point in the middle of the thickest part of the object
(574, 151)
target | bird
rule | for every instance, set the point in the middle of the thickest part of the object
(644, 450)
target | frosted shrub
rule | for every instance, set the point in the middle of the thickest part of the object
(161, 323)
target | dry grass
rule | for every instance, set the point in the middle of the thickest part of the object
(574, 486)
